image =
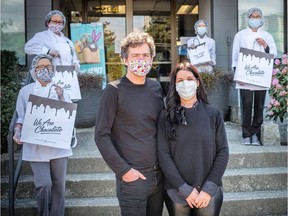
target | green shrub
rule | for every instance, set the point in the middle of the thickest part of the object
(210, 79)
(11, 78)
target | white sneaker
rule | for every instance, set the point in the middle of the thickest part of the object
(246, 141)
(74, 139)
(255, 140)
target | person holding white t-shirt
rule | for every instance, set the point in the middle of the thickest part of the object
(252, 37)
(201, 29)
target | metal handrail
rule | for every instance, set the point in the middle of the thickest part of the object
(14, 177)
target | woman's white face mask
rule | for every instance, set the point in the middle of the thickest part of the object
(254, 23)
(201, 30)
(186, 89)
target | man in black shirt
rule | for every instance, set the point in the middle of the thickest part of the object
(126, 126)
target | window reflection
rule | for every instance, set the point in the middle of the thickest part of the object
(13, 28)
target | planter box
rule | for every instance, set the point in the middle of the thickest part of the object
(88, 107)
(219, 96)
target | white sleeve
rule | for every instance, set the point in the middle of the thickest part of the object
(35, 45)
(272, 45)
(21, 105)
(213, 51)
(235, 50)
(75, 59)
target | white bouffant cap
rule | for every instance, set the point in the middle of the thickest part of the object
(253, 10)
(198, 22)
(35, 63)
(50, 14)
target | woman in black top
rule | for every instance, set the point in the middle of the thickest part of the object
(192, 146)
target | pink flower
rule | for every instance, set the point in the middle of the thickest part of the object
(270, 113)
(283, 93)
(278, 91)
(272, 101)
(275, 81)
(275, 71)
(284, 71)
(276, 104)
(285, 59)
(277, 62)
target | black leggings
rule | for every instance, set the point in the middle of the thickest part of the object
(213, 209)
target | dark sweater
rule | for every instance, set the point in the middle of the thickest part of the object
(126, 126)
(198, 155)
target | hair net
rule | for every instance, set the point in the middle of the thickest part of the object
(253, 10)
(51, 13)
(257, 10)
(198, 22)
(35, 61)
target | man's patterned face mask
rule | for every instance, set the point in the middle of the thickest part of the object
(140, 67)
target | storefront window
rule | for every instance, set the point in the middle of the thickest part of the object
(154, 18)
(13, 28)
(112, 15)
(273, 19)
(187, 15)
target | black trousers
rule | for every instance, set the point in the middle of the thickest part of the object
(142, 197)
(252, 125)
(213, 209)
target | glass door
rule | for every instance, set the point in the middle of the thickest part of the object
(112, 15)
(154, 17)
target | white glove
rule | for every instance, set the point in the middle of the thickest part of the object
(17, 135)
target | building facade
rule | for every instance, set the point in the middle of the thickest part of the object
(170, 22)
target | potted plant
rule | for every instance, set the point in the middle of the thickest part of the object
(277, 108)
(90, 87)
(217, 86)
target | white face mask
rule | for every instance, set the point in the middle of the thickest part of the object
(186, 89)
(201, 30)
(254, 23)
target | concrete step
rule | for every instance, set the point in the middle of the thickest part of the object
(255, 179)
(254, 203)
(103, 184)
(89, 160)
(255, 182)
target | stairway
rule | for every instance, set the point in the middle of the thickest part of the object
(255, 182)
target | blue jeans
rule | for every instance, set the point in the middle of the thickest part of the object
(141, 197)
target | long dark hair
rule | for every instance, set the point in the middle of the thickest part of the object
(174, 111)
